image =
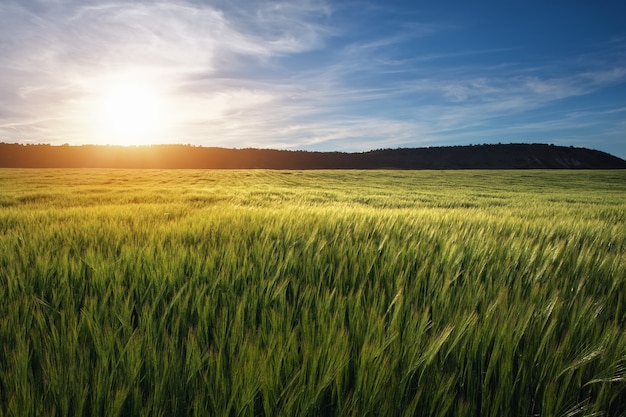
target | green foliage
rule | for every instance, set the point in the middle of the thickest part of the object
(312, 293)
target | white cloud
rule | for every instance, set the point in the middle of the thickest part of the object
(236, 73)
(59, 57)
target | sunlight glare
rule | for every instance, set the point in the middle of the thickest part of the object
(131, 114)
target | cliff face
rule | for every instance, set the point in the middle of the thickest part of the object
(512, 156)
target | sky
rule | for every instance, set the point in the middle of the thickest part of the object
(314, 74)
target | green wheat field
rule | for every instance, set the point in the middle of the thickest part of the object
(312, 293)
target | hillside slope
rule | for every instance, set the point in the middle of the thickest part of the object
(511, 156)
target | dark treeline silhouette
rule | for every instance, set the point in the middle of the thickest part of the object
(500, 156)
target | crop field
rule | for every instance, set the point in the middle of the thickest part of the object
(312, 293)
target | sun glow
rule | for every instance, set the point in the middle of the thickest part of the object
(130, 114)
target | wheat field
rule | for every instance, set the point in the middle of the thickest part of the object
(312, 293)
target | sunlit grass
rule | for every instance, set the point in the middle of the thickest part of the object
(313, 293)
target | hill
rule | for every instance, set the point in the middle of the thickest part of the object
(501, 156)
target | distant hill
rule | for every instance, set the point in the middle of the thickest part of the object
(510, 156)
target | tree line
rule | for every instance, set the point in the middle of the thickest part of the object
(496, 156)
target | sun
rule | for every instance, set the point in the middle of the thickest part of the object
(130, 114)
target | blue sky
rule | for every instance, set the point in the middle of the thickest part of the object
(316, 75)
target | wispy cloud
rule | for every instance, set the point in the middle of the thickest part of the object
(57, 55)
(290, 74)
